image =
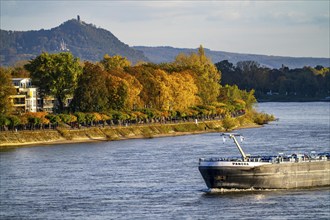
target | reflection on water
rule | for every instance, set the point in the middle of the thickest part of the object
(159, 178)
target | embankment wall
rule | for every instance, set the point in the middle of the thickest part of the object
(64, 135)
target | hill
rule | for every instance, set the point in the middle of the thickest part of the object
(88, 42)
(168, 54)
(85, 41)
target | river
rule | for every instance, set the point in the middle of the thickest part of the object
(158, 178)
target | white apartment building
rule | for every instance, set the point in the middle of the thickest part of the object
(25, 99)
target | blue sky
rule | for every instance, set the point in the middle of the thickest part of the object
(288, 28)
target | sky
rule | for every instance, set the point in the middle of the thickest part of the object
(278, 27)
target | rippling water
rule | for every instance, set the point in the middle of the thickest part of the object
(159, 178)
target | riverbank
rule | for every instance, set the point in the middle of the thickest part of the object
(278, 98)
(10, 139)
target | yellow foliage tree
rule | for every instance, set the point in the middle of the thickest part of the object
(40, 115)
(134, 88)
(206, 75)
(183, 90)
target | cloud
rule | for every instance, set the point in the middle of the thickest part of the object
(238, 26)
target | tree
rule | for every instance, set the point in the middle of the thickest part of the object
(238, 99)
(14, 121)
(6, 89)
(206, 75)
(4, 121)
(229, 75)
(150, 92)
(55, 74)
(117, 92)
(133, 87)
(19, 71)
(91, 94)
(102, 90)
(53, 119)
(114, 62)
(183, 91)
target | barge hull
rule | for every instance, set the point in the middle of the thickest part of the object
(271, 176)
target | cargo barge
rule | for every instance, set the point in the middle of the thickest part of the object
(266, 172)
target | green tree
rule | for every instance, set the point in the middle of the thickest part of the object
(91, 94)
(238, 99)
(6, 89)
(65, 118)
(4, 121)
(81, 117)
(53, 119)
(14, 121)
(115, 62)
(55, 74)
(90, 118)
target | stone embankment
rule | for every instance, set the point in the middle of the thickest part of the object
(9, 139)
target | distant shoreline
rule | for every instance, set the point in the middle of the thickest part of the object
(292, 100)
(10, 139)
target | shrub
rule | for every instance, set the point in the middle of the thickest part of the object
(34, 120)
(229, 123)
(262, 118)
(89, 118)
(81, 117)
(4, 121)
(14, 121)
(67, 118)
(53, 118)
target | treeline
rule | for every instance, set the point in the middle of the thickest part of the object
(113, 89)
(306, 82)
(45, 120)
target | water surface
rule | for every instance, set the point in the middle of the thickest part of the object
(159, 178)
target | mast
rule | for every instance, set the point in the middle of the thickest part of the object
(232, 136)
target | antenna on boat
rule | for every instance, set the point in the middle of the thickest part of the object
(232, 136)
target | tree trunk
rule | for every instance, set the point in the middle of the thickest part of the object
(60, 104)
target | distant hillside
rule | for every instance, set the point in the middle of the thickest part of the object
(168, 54)
(84, 41)
(88, 42)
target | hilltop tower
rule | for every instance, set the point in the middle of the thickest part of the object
(78, 18)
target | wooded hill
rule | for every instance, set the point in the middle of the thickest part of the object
(90, 43)
(83, 40)
(168, 54)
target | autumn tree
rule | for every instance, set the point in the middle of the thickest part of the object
(6, 89)
(134, 87)
(117, 92)
(100, 90)
(114, 62)
(150, 88)
(55, 75)
(156, 86)
(206, 75)
(183, 90)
